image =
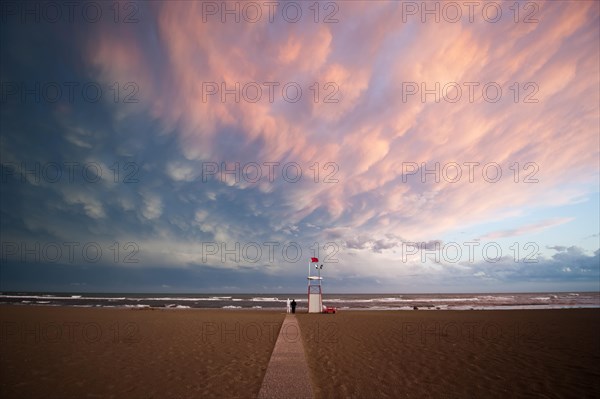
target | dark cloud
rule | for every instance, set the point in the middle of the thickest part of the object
(110, 278)
(571, 264)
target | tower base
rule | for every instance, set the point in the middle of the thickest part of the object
(315, 301)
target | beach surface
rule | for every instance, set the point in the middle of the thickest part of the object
(69, 352)
(454, 354)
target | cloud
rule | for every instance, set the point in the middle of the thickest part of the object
(379, 168)
(179, 171)
(153, 206)
(91, 206)
(371, 133)
(573, 264)
(527, 229)
(559, 248)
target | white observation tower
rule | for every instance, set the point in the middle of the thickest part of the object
(315, 300)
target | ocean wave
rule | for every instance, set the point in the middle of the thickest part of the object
(72, 297)
(266, 299)
(400, 300)
(177, 306)
(342, 301)
(93, 298)
(497, 298)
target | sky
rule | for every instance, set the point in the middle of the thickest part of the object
(217, 147)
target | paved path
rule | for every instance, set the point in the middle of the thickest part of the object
(287, 374)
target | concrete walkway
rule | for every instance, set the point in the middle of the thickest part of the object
(287, 374)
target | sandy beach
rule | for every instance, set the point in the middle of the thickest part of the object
(67, 352)
(454, 354)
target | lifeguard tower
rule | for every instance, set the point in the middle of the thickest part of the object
(315, 299)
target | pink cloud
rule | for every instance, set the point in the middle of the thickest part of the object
(371, 133)
(530, 228)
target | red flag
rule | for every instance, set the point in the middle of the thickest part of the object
(314, 259)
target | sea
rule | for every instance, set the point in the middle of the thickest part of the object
(488, 301)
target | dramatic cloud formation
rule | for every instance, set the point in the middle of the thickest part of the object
(404, 132)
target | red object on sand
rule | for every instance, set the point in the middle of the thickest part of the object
(329, 309)
(314, 259)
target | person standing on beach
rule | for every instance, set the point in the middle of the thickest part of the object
(287, 309)
(293, 306)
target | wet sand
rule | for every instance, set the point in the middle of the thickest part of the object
(454, 354)
(61, 352)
